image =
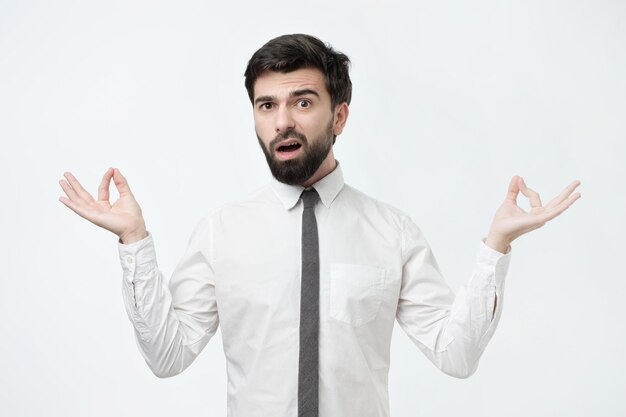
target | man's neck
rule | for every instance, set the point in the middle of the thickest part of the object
(328, 165)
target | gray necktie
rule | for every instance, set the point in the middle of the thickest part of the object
(308, 375)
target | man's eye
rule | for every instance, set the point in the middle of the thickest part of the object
(304, 103)
(266, 106)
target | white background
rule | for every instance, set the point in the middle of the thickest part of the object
(450, 100)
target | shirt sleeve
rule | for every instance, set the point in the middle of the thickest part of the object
(452, 331)
(172, 322)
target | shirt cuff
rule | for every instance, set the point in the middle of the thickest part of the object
(137, 258)
(489, 258)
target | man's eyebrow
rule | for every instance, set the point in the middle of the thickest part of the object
(264, 98)
(303, 92)
(295, 93)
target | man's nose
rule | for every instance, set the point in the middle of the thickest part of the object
(284, 119)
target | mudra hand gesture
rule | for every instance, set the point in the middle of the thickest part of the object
(124, 217)
(510, 221)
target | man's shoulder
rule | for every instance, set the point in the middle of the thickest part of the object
(366, 204)
(261, 196)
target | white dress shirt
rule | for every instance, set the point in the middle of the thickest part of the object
(241, 270)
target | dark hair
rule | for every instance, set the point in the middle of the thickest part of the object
(288, 53)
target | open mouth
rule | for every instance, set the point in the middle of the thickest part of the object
(288, 147)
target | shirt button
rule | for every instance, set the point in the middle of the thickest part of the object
(129, 259)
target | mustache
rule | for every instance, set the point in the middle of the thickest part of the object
(288, 134)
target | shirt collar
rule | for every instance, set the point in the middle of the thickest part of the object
(328, 188)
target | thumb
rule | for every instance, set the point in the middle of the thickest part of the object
(513, 190)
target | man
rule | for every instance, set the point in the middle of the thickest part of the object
(306, 276)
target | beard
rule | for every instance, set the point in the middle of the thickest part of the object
(297, 170)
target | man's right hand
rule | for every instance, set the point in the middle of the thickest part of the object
(123, 218)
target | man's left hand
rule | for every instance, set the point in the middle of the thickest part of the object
(511, 221)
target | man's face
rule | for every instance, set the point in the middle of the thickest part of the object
(294, 123)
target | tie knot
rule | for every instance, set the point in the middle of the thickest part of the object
(310, 197)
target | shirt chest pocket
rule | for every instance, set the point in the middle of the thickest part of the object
(356, 292)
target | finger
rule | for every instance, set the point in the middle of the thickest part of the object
(74, 201)
(513, 190)
(532, 195)
(564, 194)
(78, 189)
(75, 207)
(120, 182)
(69, 191)
(560, 208)
(103, 189)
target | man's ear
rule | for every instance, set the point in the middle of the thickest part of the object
(341, 116)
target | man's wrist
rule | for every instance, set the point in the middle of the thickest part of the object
(134, 237)
(498, 243)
